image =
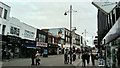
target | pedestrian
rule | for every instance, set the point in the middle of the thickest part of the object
(66, 58)
(84, 59)
(88, 58)
(93, 56)
(32, 56)
(37, 58)
(74, 56)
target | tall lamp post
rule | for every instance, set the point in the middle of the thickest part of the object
(70, 11)
(85, 37)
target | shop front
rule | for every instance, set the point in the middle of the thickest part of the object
(3, 45)
(53, 49)
(27, 46)
(112, 54)
(112, 45)
(13, 46)
(42, 48)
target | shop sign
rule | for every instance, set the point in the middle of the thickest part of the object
(41, 44)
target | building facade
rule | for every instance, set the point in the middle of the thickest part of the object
(42, 42)
(64, 35)
(28, 39)
(53, 43)
(108, 36)
(4, 17)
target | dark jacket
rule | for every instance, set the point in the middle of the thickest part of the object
(33, 53)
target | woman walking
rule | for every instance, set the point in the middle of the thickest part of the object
(37, 58)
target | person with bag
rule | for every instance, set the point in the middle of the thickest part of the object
(37, 58)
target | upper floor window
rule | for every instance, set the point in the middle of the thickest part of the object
(1, 9)
(3, 29)
(49, 39)
(14, 30)
(5, 14)
(29, 34)
(117, 13)
(42, 38)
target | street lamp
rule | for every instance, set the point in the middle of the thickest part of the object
(70, 11)
(85, 37)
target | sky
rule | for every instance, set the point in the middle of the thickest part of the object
(50, 14)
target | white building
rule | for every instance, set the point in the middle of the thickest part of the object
(28, 32)
(14, 27)
(4, 17)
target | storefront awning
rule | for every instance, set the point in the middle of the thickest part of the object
(31, 47)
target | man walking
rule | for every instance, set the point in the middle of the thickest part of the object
(93, 56)
(83, 59)
(32, 56)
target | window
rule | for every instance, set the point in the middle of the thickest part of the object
(14, 31)
(5, 14)
(117, 13)
(3, 29)
(42, 38)
(1, 9)
(28, 34)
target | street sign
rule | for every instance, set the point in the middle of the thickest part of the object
(105, 5)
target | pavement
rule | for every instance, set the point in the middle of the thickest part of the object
(53, 60)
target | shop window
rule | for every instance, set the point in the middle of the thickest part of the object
(5, 14)
(1, 9)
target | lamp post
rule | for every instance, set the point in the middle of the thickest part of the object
(85, 36)
(70, 11)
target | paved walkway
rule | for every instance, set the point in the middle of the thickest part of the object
(53, 60)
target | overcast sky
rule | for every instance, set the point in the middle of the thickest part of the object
(50, 14)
